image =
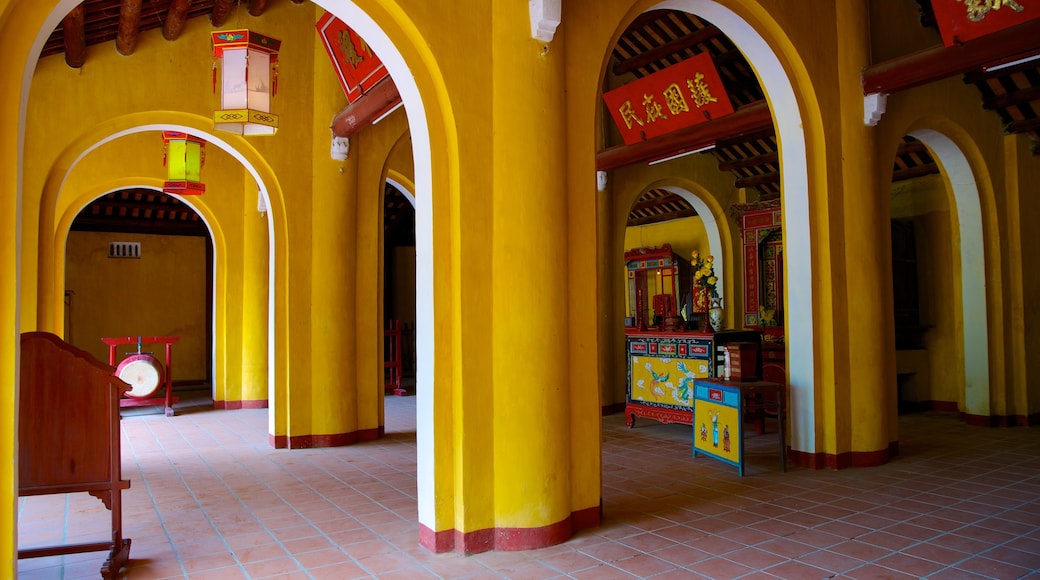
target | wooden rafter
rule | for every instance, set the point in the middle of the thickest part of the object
(75, 42)
(129, 26)
(175, 18)
(765, 179)
(652, 219)
(764, 159)
(912, 172)
(665, 50)
(221, 12)
(1012, 99)
(357, 115)
(1023, 126)
(658, 202)
(939, 62)
(257, 7)
(763, 134)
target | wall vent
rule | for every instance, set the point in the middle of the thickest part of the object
(124, 250)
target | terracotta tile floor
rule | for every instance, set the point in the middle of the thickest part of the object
(211, 499)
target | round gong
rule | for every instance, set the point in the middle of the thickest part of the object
(142, 372)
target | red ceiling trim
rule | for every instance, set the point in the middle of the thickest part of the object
(939, 62)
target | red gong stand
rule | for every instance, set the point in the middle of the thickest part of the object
(143, 372)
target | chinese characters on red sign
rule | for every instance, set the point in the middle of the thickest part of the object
(358, 68)
(679, 96)
(963, 20)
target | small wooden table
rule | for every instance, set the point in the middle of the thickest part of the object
(719, 408)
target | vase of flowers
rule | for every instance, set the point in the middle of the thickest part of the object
(704, 278)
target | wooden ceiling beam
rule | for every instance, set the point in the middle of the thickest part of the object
(221, 12)
(761, 135)
(745, 120)
(366, 108)
(657, 202)
(175, 18)
(661, 218)
(257, 7)
(142, 205)
(129, 26)
(1011, 99)
(940, 62)
(129, 225)
(668, 49)
(912, 172)
(74, 39)
(766, 179)
(1023, 126)
(765, 159)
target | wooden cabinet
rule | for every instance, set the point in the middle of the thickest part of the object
(661, 370)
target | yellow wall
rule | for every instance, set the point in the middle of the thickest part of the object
(161, 294)
(684, 235)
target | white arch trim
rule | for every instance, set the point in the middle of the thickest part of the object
(347, 11)
(263, 192)
(186, 200)
(711, 226)
(794, 183)
(403, 190)
(970, 246)
(415, 110)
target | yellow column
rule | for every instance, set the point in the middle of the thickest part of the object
(333, 270)
(255, 292)
(372, 149)
(865, 387)
(17, 29)
(529, 339)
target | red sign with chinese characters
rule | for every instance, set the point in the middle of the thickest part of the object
(679, 96)
(358, 68)
(963, 20)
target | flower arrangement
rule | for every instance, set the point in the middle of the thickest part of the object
(704, 273)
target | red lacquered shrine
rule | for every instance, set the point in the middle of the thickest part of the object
(666, 346)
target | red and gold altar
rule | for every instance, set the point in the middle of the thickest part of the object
(667, 345)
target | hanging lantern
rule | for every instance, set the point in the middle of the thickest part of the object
(249, 78)
(183, 157)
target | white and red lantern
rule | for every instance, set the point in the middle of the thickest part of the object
(249, 79)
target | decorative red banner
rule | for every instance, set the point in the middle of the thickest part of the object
(679, 96)
(358, 68)
(963, 20)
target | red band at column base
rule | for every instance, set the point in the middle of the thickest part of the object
(234, 405)
(842, 460)
(333, 440)
(509, 539)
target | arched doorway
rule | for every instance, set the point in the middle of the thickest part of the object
(785, 127)
(939, 276)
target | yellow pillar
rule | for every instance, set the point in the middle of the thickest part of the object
(18, 27)
(528, 318)
(865, 387)
(255, 292)
(372, 149)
